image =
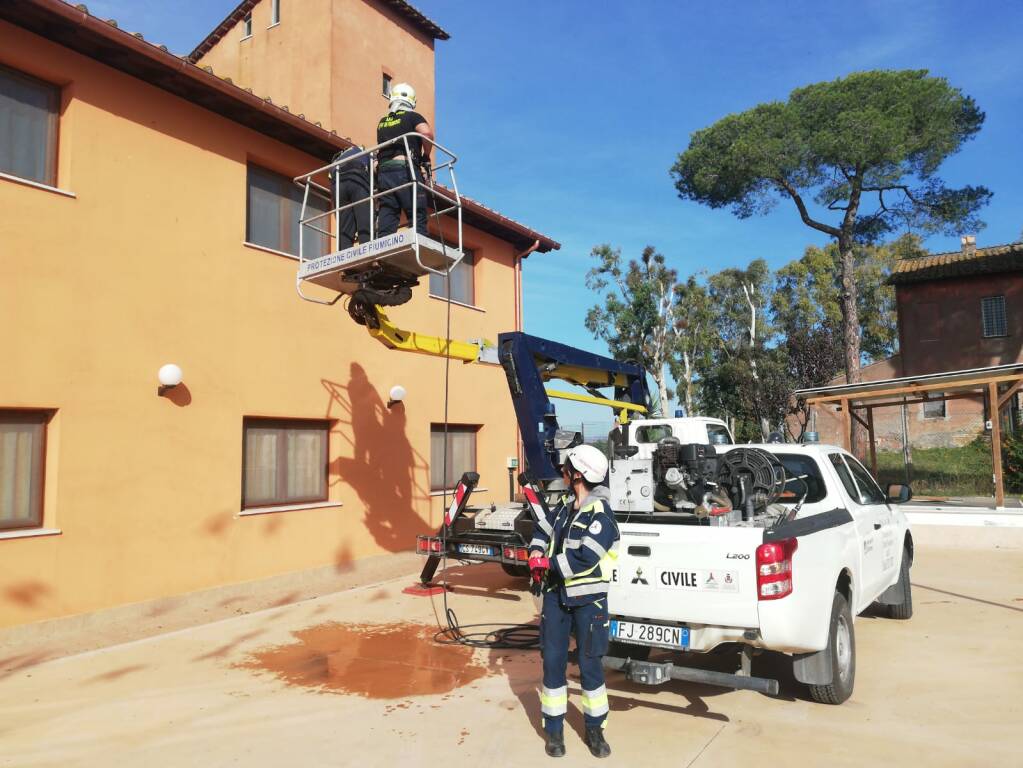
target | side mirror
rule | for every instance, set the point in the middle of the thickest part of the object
(899, 494)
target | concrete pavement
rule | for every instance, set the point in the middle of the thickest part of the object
(353, 678)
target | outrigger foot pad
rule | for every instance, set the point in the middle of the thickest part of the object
(424, 590)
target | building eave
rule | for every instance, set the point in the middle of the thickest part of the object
(244, 8)
(74, 28)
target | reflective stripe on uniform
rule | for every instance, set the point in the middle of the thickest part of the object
(554, 701)
(537, 544)
(590, 543)
(544, 525)
(563, 566)
(595, 702)
(591, 588)
(572, 544)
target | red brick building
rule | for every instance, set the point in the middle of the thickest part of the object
(956, 311)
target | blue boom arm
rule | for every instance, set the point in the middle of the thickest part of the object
(529, 361)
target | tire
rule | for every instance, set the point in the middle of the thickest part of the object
(903, 610)
(629, 651)
(842, 647)
(516, 571)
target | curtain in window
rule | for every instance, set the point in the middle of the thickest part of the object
(463, 287)
(261, 465)
(461, 455)
(274, 210)
(265, 224)
(28, 127)
(21, 472)
(284, 464)
(305, 470)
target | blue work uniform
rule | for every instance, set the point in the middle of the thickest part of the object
(581, 547)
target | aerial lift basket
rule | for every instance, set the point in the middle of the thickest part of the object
(405, 253)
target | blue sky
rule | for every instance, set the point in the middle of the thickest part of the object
(568, 114)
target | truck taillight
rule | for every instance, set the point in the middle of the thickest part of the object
(522, 554)
(774, 569)
(428, 545)
(509, 553)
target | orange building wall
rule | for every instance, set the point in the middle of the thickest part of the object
(326, 60)
(145, 266)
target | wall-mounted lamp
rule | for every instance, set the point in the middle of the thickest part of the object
(170, 377)
(397, 394)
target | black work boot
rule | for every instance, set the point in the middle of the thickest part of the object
(595, 741)
(555, 744)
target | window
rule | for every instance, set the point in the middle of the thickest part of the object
(992, 310)
(718, 435)
(870, 491)
(857, 481)
(385, 87)
(285, 462)
(274, 207)
(28, 127)
(275, 12)
(247, 28)
(934, 409)
(463, 284)
(844, 476)
(22, 459)
(653, 433)
(803, 476)
(461, 454)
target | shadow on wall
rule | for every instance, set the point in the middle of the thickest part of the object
(382, 469)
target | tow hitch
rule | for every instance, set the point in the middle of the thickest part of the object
(658, 673)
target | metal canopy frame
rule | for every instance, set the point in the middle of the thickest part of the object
(997, 384)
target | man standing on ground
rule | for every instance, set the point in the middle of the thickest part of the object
(576, 548)
(393, 164)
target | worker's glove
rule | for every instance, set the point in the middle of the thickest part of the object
(538, 566)
(539, 563)
(427, 169)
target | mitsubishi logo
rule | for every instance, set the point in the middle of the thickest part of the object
(639, 578)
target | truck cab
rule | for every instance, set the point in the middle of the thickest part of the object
(645, 434)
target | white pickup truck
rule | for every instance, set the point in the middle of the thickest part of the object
(788, 577)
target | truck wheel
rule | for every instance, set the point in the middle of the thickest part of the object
(628, 651)
(903, 610)
(842, 647)
(516, 571)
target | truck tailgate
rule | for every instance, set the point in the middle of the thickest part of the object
(696, 574)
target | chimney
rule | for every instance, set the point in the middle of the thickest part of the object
(969, 245)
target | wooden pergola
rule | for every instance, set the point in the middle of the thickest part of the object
(998, 384)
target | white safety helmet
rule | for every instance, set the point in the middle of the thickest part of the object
(403, 96)
(589, 461)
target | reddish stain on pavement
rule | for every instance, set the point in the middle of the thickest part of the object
(378, 661)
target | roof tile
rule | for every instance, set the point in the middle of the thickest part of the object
(937, 266)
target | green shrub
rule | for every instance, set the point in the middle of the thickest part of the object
(1012, 463)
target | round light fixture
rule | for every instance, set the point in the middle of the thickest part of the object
(397, 394)
(170, 375)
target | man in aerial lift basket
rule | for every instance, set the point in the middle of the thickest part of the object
(393, 165)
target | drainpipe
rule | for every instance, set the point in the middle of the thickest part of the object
(517, 268)
(517, 265)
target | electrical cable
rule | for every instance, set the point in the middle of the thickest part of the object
(498, 635)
